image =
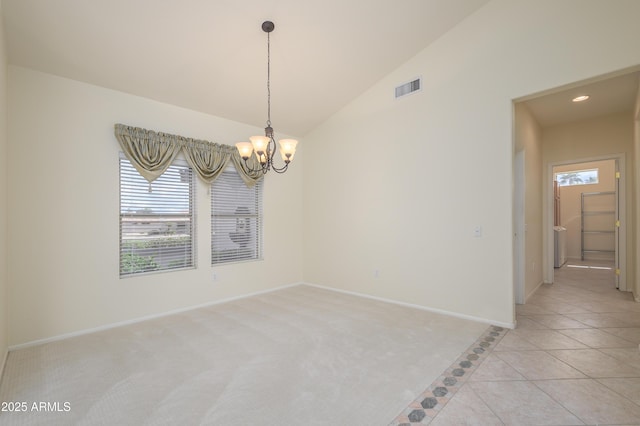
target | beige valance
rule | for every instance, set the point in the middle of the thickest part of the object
(151, 153)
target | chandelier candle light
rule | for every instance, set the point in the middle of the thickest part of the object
(265, 146)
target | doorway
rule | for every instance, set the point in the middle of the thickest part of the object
(554, 130)
(586, 218)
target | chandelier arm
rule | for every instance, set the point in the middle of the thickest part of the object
(271, 147)
(264, 169)
(272, 165)
(270, 153)
(281, 169)
(267, 166)
(249, 168)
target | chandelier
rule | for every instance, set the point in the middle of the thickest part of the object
(265, 146)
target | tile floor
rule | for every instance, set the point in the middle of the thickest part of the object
(573, 359)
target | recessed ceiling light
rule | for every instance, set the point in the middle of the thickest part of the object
(581, 98)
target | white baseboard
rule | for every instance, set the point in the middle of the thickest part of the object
(244, 296)
(533, 292)
(423, 308)
(145, 318)
(4, 362)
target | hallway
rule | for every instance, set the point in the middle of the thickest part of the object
(572, 360)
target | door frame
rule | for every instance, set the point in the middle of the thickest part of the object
(519, 234)
(547, 219)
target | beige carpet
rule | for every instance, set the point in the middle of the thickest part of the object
(300, 356)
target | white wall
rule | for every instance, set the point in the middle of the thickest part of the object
(571, 209)
(599, 137)
(394, 186)
(528, 137)
(636, 138)
(63, 193)
(400, 185)
(4, 304)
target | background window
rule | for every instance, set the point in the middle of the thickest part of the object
(577, 177)
(236, 219)
(156, 220)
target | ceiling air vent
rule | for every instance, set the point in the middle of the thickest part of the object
(408, 88)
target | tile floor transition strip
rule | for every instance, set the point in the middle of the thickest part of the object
(424, 408)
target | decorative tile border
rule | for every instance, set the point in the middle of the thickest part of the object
(429, 403)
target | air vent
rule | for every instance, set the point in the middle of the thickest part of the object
(408, 88)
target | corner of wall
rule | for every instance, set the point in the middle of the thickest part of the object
(4, 304)
(528, 138)
(636, 144)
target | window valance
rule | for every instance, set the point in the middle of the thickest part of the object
(151, 153)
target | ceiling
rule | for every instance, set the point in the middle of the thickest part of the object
(606, 96)
(210, 55)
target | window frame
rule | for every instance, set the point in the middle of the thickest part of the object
(577, 172)
(171, 220)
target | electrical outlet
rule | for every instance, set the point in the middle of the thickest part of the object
(376, 274)
(477, 232)
(214, 276)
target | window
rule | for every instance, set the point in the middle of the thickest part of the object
(577, 177)
(236, 219)
(156, 220)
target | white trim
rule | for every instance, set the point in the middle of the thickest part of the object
(411, 305)
(145, 318)
(533, 292)
(519, 233)
(547, 219)
(245, 296)
(4, 363)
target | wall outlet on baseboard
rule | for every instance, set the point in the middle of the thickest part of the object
(376, 274)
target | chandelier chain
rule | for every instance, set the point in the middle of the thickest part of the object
(268, 80)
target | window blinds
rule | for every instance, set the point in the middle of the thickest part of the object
(156, 220)
(236, 219)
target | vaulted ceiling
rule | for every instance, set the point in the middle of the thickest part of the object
(210, 55)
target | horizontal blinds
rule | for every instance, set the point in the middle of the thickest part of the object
(236, 219)
(156, 220)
